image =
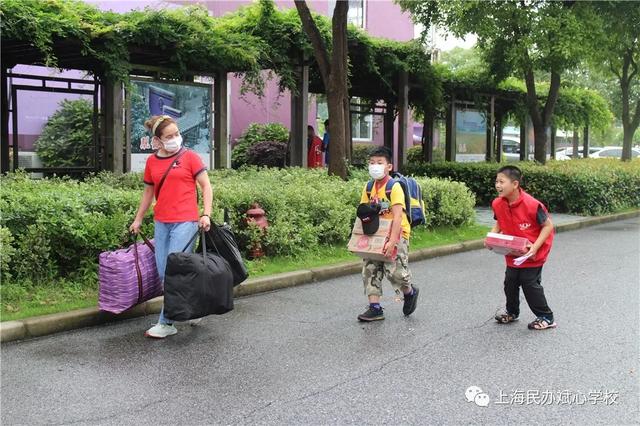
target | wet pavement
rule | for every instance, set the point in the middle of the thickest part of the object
(297, 356)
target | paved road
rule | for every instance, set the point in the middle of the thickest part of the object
(298, 356)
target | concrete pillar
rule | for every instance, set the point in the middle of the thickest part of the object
(113, 133)
(450, 144)
(403, 119)
(220, 128)
(299, 120)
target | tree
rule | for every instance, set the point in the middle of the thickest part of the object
(516, 37)
(67, 138)
(333, 69)
(616, 52)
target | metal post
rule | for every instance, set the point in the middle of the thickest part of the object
(4, 124)
(220, 128)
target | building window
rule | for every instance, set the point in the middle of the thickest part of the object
(361, 124)
(357, 12)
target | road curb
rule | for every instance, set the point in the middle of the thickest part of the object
(65, 321)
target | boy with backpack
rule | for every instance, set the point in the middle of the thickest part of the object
(389, 198)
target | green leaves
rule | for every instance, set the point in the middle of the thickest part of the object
(67, 138)
(255, 134)
(585, 186)
(55, 228)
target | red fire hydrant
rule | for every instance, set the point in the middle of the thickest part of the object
(256, 216)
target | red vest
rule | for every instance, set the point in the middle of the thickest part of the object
(520, 219)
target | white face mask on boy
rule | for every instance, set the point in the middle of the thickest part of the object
(376, 171)
(172, 145)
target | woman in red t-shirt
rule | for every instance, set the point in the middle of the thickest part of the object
(170, 175)
(314, 155)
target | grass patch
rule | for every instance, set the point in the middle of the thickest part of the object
(21, 302)
(331, 255)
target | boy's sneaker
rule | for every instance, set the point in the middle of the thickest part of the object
(371, 314)
(160, 331)
(410, 302)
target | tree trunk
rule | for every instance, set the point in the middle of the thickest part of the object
(334, 76)
(541, 119)
(629, 124)
(576, 144)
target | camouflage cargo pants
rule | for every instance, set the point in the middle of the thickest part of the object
(396, 272)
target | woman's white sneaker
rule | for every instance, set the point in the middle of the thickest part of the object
(160, 331)
(195, 322)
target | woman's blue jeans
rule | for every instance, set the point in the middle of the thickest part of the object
(171, 238)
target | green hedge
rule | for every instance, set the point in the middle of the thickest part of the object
(586, 186)
(55, 228)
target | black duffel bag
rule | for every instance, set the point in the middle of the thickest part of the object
(197, 284)
(220, 239)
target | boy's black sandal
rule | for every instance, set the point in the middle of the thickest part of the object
(506, 318)
(541, 323)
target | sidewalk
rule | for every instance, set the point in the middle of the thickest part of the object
(484, 216)
(88, 317)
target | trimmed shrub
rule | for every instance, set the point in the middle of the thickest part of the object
(255, 134)
(267, 154)
(360, 155)
(55, 228)
(67, 138)
(588, 186)
(447, 203)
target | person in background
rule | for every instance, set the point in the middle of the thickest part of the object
(170, 175)
(314, 154)
(325, 142)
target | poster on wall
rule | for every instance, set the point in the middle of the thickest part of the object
(187, 103)
(471, 136)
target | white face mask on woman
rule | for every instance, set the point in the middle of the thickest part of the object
(376, 171)
(172, 145)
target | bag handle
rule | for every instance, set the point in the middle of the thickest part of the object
(203, 238)
(164, 176)
(147, 242)
(136, 258)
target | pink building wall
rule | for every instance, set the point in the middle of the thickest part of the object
(382, 19)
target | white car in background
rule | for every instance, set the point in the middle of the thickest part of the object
(614, 152)
(510, 149)
(567, 153)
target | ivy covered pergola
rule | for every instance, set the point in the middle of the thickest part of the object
(179, 44)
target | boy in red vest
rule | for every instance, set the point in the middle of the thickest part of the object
(519, 214)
